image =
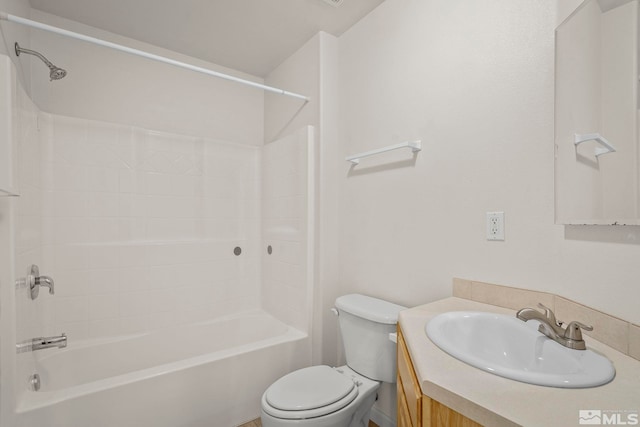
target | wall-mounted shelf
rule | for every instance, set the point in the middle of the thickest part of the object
(415, 146)
(599, 151)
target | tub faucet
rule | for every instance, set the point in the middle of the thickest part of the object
(34, 281)
(570, 337)
(42, 343)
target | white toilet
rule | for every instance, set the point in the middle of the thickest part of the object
(321, 396)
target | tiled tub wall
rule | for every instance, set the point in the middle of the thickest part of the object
(285, 197)
(612, 331)
(139, 227)
(28, 225)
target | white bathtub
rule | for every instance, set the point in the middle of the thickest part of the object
(202, 375)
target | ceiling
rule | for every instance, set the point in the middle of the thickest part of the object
(606, 5)
(253, 36)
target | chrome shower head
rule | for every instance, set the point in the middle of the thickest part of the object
(55, 73)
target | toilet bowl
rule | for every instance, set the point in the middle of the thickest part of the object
(322, 396)
(319, 396)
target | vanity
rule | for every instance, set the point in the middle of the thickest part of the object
(436, 389)
(416, 409)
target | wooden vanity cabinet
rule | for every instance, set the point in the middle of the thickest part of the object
(416, 409)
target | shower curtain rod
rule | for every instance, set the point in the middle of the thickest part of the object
(40, 26)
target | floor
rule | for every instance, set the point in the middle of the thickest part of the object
(257, 423)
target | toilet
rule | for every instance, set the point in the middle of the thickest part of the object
(322, 396)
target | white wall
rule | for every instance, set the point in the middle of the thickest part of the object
(107, 85)
(13, 32)
(312, 71)
(299, 73)
(14, 7)
(474, 81)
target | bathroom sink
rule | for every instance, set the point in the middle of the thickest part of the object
(506, 346)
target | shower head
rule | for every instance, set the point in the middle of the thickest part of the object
(55, 73)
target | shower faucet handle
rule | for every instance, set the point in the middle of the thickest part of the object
(34, 280)
(45, 281)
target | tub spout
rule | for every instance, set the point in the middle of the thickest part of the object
(42, 343)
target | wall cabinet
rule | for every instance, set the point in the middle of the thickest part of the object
(596, 93)
(416, 409)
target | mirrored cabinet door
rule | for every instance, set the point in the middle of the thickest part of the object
(596, 115)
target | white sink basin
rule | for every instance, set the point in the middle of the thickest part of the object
(506, 346)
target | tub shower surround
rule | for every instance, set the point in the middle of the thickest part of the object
(140, 227)
(287, 208)
(27, 315)
(175, 312)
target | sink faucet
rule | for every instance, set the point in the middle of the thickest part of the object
(42, 343)
(570, 337)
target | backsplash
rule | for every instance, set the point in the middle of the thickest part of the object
(616, 333)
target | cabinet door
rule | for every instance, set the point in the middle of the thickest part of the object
(404, 419)
(416, 409)
(408, 383)
(446, 417)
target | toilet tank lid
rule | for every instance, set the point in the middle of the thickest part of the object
(369, 308)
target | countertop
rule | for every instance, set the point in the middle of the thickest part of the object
(495, 401)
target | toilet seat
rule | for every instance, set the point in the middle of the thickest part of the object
(309, 393)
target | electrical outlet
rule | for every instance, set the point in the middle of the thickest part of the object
(495, 225)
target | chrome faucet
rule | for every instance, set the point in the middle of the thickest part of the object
(570, 337)
(42, 343)
(34, 281)
(45, 281)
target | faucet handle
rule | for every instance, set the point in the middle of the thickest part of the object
(47, 282)
(549, 314)
(573, 331)
(34, 280)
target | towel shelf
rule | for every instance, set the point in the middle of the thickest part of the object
(415, 146)
(606, 146)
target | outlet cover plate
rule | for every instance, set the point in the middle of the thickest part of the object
(495, 226)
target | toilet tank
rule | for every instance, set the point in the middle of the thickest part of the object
(365, 325)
